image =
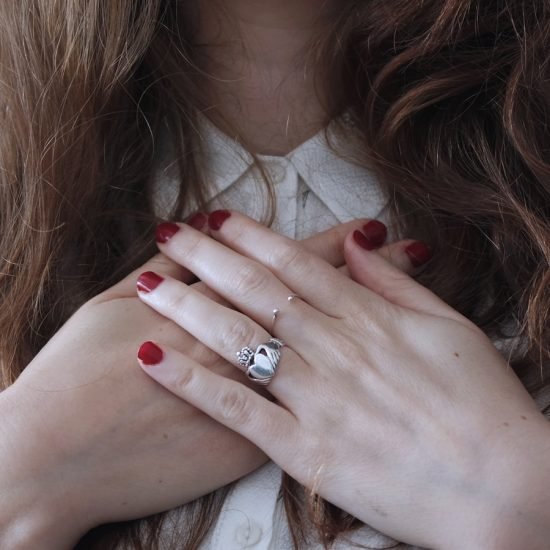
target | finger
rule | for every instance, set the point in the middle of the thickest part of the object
(201, 287)
(199, 221)
(395, 254)
(224, 331)
(245, 283)
(405, 255)
(329, 245)
(160, 263)
(309, 276)
(375, 272)
(268, 425)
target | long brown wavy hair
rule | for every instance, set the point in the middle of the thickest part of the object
(452, 98)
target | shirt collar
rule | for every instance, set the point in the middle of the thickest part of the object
(325, 163)
(225, 159)
(348, 189)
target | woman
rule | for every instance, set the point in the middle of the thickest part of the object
(389, 400)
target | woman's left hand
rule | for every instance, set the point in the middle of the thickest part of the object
(389, 403)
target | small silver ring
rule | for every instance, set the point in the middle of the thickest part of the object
(277, 311)
(275, 315)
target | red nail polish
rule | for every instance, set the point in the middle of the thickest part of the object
(165, 231)
(419, 253)
(376, 233)
(148, 281)
(197, 220)
(362, 241)
(216, 219)
(150, 354)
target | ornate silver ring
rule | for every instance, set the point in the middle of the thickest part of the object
(261, 365)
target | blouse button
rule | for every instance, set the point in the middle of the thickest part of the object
(248, 534)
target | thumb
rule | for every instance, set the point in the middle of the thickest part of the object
(329, 244)
(376, 273)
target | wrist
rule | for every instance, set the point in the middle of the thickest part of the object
(523, 514)
(512, 507)
(35, 511)
(34, 528)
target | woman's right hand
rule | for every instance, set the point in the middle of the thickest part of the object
(87, 438)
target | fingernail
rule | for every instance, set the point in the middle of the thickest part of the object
(419, 253)
(376, 233)
(216, 219)
(150, 354)
(197, 220)
(361, 240)
(165, 231)
(148, 281)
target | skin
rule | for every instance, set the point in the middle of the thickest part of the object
(264, 84)
(81, 420)
(412, 421)
(104, 407)
(260, 76)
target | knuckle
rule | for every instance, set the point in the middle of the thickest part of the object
(184, 381)
(338, 236)
(286, 256)
(209, 293)
(205, 356)
(237, 335)
(249, 278)
(381, 325)
(186, 248)
(239, 230)
(235, 406)
(395, 255)
(178, 302)
(395, 284)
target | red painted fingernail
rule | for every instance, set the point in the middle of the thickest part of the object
(197, 220)
(150, 354)
(376, 233)
(419, 253)
(216, 219)
(148, 281)
(165, 231)
(361, 240)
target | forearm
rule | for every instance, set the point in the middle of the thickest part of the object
(34, 512)
(516, 510)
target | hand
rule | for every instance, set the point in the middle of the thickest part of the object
(92, 442)
(390, 404)
(81, 421)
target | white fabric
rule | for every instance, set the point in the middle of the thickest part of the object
(315, 186)
(315, 189)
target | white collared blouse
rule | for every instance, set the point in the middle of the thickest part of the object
(316, 186)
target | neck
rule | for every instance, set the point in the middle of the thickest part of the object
(260, 78)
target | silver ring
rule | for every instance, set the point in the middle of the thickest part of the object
(262, 364)
(277, 311)
(275, 315)
(244, 357)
